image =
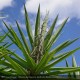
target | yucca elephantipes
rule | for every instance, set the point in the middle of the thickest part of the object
(39, 58)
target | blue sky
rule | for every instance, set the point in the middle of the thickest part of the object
(13, 10)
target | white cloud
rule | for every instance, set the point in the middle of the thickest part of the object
(5, 3)
(65, 8)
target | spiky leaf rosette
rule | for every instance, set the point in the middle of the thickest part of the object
(38, 59)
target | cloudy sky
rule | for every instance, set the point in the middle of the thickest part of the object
(12, 10)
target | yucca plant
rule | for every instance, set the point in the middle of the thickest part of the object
(73, 74)
(38, 59)
(3, 44)
(3, 48)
